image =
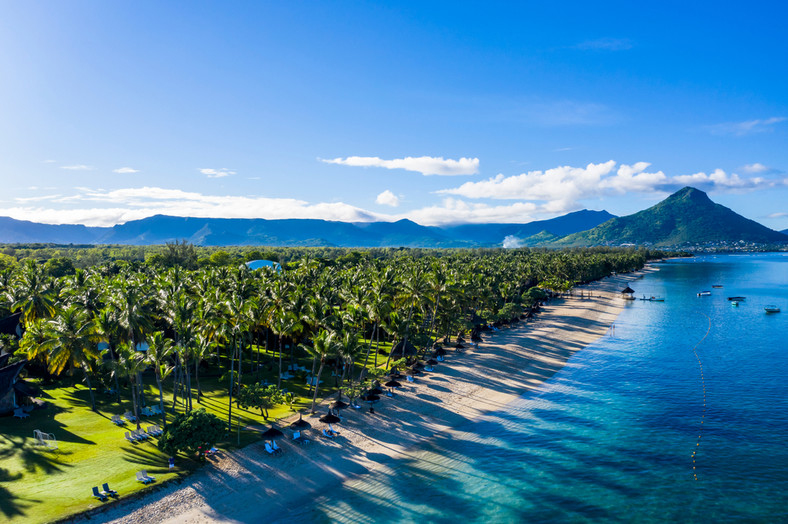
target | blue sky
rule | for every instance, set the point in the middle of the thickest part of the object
(438, 112)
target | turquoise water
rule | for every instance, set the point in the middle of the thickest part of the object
(612, 436)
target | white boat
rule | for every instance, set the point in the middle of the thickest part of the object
(771, 309)
(704, 294)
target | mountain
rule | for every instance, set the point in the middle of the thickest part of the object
(784, 231)
(687, 216)
(160, 229)
(22, 231)
(495, 234)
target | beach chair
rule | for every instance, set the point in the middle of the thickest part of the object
(145, 475)
(117, 420)
(269, 449)
(106, 491)
(212, 451)
(328, 433)
(130, 438)
(130, 416)
(298, 438)
(102, 498)
(154, 431)
(276, 448)
(410, 379)
(20, 413)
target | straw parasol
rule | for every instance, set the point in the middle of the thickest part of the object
(338, 404)
(300, 423)
(372, 398)
(432, 362)
(440, 352)
(330, 419)
(272, 433)
(374, 391)
(393, 384)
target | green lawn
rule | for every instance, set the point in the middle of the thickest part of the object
(41, 486)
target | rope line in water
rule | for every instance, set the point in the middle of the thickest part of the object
(703, 383)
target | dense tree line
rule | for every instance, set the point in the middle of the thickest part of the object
(113, 321)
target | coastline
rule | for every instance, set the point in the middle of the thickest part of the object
(249, 486)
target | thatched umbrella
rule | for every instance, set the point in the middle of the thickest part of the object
(272, 433)
(414, 372)
(432, 362)
(338, 404)
(393, 384)
(374, 391)
(372, 398)
(330, 419)
(300, 423)
(440, 352)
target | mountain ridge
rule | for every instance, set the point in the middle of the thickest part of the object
(159, 229)
(688, 216)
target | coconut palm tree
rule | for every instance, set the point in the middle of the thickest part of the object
(323, 346)
(130, 364)
(159, 351)
(32, 293)
(70, 341)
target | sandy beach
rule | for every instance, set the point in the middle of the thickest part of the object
(251, 486)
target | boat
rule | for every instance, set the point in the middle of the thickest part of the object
(717, 286)
(734, 302)
(704, 294)
(737, 299)
(771, 309)
(653, 298)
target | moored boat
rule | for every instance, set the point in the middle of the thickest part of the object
(717, 286)
(734, 302)
(704, 294)
(737, 299)
(771, 309)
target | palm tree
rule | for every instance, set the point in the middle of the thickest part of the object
(159, 350)
(323, 346)
(71, 343)
(130, 364)
(33, 296)
(107, 328)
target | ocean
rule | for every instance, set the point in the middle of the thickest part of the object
(679, 414)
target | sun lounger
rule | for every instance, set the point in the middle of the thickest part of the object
(298, 438)
(410, 379)
(145, 475)
(276, 448)
(142, 478)
(107, 491)
(117, 420)
(130, 416)
(212, 451)
(269, 449)
(154, 431)
(130, 437)
(102, 498)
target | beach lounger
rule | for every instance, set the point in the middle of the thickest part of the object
(141, 478)
(117, 420)
(130, 438)
(130, 416)
(410, 379)
(106, 491)
(145, 475)
(276, 448)
(102, 498)
(298, 438)
(269, 449)
(212, 451)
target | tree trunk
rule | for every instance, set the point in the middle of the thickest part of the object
(366, 358)
(134, 402)
(314, 363)
(232, 386)
(317, 384)
(90, 389)
(279, 380)
(161, 400)
(197, 378)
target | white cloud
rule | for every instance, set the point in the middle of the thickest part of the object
(747, 127)
(98, 207)
(387, 198)
(426, 165)
(453, 211)
(777, 215)
(124, 170)
(757, 167)
(512, 242)
(605, 44)
(216, 173)
(77, 167)
(562, 188)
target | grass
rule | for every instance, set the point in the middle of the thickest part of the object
(37, 485)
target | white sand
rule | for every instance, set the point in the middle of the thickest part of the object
(251, 486)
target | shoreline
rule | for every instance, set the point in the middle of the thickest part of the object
(249, 486)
